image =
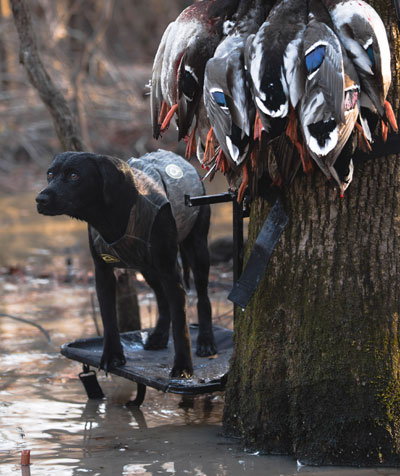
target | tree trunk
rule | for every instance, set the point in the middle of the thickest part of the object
(316, 365)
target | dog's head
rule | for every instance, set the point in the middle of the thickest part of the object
(81, 183)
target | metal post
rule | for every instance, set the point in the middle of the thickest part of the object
(237, 230)
(239, 211)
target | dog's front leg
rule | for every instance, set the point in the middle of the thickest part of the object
(183, 365)
(113, 354)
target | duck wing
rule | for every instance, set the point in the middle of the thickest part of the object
(322, 107)
(191, 76)
(156, 97)
(363, 35)
(264, 57)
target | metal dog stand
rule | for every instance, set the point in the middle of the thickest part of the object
(150, 368)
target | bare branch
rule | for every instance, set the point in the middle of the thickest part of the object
(77, 79)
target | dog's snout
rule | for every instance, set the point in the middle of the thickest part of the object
(43, 199)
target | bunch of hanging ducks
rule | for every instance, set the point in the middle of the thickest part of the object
(266, 87)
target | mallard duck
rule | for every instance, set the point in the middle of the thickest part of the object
(330, 105)
(226, 93)
(363, 35)
(157, 102)
(269, 55)
(178, 68)
(191, 75)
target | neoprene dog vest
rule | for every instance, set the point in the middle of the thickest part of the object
(162, 179)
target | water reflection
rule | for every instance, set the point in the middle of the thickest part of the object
(43, 408)
(186, 442)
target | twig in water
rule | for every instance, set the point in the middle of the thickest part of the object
(26, 321)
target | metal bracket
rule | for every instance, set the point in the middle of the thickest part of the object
(380, 148)
(89, 380)
(140, 394)
(239, 211)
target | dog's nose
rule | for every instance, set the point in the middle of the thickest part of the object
(42, 199)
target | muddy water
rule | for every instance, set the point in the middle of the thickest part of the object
(43, 406)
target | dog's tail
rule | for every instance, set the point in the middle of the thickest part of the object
(185, 267)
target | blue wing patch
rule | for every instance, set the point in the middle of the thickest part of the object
(370, 52)
(219, 97)
(315, 58)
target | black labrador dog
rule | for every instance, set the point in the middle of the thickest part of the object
(137, 219)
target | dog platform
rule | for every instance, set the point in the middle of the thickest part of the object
(151, 368)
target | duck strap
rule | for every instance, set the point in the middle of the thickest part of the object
(260, 255)
(380, 148)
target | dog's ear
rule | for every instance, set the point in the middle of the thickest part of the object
(112, 172)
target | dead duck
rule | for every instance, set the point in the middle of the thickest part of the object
(363, 35)
(178, 67)
(226, 93)
(329, 107)
(268, 56)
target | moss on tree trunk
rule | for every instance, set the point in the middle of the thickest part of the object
(316, 364)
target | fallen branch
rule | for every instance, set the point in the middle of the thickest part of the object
(26, 321)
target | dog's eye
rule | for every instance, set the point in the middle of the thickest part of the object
(74, 176)
(50, 176)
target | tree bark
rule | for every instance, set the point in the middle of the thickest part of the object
(316, 366)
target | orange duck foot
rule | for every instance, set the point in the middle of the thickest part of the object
(243, 185)
(390, 116)
(209, 150)
(163, 112)
(291, 132)
(291, 129)
(221, 162)
(168, 117)
(191, 144)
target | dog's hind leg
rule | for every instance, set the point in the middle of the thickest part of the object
(194, 250)
(158, 339)
(164, 254)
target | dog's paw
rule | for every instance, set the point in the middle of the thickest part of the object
(179, 371)
(157, 341)
(111, 359)
(206, 346)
